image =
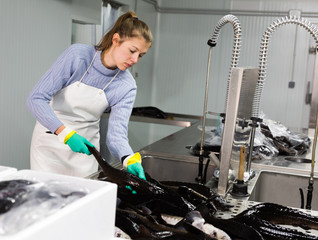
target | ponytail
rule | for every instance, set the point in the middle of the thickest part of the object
(127, 26)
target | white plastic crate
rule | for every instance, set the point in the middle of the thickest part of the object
(90, 217)
(4, 171)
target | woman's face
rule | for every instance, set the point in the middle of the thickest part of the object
(128, 52)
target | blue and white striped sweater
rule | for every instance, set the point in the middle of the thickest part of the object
(69, 68)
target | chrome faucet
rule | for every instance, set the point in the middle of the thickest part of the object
(262, 67)
(264, 47)
(235, 57)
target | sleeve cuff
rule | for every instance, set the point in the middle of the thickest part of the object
(65, 133)
(131, 159)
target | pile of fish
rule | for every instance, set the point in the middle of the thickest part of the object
(285, 141)
(142, 204)
(272, 139)
(23, 202)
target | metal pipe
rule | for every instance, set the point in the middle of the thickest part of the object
(263, 55)
(310, 188)
(264, 48)
(253, 125)
(250, 153)
(236, 44)
(200, 178)
(314, 148)
(235, 56)
(210, 11)
(205, 101)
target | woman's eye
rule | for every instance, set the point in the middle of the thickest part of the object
(132, 51)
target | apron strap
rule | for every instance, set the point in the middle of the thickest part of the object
(88, 67)
(111, 80)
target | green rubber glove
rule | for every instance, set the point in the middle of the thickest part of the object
(78, 144)
(137, 170)
(133, 165)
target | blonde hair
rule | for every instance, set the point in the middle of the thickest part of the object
(127, 26)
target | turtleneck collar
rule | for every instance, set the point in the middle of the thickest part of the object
(101, 68)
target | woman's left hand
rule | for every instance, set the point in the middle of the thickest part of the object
(133, 165)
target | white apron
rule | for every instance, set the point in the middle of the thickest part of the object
(79, 107)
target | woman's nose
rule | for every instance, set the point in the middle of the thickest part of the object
(135, 58)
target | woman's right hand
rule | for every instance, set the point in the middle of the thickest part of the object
(78, 144)
(75, 141)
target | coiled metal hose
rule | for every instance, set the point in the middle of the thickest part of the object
(264, 48)
(235, 56)
(237, 40)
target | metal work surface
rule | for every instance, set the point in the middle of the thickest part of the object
(175, 119)
(175, 169)
(174, 146)
(283, 188)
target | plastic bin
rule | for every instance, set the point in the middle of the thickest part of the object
(90, 217)
(4, 171)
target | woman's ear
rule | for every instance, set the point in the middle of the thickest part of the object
(116, 39)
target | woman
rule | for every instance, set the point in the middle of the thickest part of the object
(73, 94)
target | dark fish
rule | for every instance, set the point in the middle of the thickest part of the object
(190, 195)
(12, 192)
(235, 229)
(139, 226)
(195, 219)
(278, 214)
(130, 227)
(161, 199)
(271, 231)
(252, 224)
(290, 144)
(198, 193)
(152, 112)
(264, 217)
(146, 192)
(259, 222)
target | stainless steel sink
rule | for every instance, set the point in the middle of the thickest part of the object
(283, 188)
(174, 168)
(298, 159)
